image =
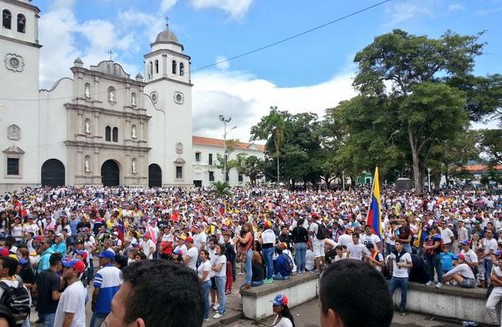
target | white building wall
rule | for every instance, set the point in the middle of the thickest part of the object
(202, 168)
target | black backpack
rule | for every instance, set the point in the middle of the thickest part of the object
(17, 300)
(322, 232)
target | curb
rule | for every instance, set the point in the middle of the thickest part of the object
(228, 318)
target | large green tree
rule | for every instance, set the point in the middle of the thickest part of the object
(410, 74)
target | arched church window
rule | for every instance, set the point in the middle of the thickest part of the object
(87, 91)
(6, 19)
(151, 69)
(87, 164)
(115, 134)
(108, 134)
(182, 69)
(156, 66)
(21, 23)
(133, 99)
(111, 94)
(174, 64)
(133, 166)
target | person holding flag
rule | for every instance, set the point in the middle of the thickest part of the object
(375, 209)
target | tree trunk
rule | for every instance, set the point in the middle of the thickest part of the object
(417, 173)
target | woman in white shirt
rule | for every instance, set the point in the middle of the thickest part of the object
(220, 272)
(280, 307)
(203, 272)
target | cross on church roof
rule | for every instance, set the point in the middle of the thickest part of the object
(167, 22)
(110, 53)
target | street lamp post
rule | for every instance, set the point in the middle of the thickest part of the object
(429, 179)
(225, 121)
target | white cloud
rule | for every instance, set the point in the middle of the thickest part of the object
(404, 11)
(236, 8)
(165, 5)
(222, 63)
(246, 99)
(456, 7)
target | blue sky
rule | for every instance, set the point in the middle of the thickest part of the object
(309, 73)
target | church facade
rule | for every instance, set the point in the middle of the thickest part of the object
(100, 127)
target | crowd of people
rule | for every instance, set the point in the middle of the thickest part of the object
(267, 234)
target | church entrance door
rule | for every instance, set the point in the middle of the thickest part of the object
(53, 173)
(110, 173)
(154, 176)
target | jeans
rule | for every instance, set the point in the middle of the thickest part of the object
(249, 267)
(300, 253)
(400, 282)
(435, 264)
(256, 283)
(220, 285)
(279, 277)
(488, 270)
(207, 289)
(48, 319)
(269, 261)
(97, 319)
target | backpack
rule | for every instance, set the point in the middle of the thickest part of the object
(290, 266)
(322, 232)
(17, 300)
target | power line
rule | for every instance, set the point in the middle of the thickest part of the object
(294, 36)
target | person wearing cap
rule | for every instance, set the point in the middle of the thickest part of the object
(267, 240)
(461, 273)
(447, 233)
(471, 258)
(106, 284)
(59, 245)
(192, 254)
(71, 307)
(283, 317)
(344, 300)
(48, 288)
(496, 294)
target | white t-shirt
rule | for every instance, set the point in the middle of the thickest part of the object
(470, 256)
(219, 260)
(193, 252)
(398, 271)
(268, 236)
(284, 322)
(204, 266)
(309, 260)
(357, 251)
(345, 239)
(72, 301)
(365, 239)
(198, 239)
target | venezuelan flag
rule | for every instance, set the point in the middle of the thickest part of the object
(375, 207)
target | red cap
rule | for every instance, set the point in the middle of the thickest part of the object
(189, 240)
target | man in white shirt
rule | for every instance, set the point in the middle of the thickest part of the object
(71, 306)
(401, 262)
(461, 273)
(489, 247)
(496, 294)
(471, 258)
(356, 250)
(369, 237)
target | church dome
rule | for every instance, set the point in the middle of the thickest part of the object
(166, 36)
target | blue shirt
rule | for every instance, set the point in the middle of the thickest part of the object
(44, 263)
(108, 279)
(281, 266)
(447, 260)
(61, 248)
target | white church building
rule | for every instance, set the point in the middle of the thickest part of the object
(100, 127)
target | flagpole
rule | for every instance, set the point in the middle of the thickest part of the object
(371, 194)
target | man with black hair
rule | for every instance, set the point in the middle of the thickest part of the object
(401, 263)
(48, 286)
(344, 296)
(45, 251)
(158, 294)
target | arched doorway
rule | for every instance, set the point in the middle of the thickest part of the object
(154, 176)
(110, 173)
(53, 173)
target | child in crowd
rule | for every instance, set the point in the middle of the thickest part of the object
(481, 268)
(447, 259)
